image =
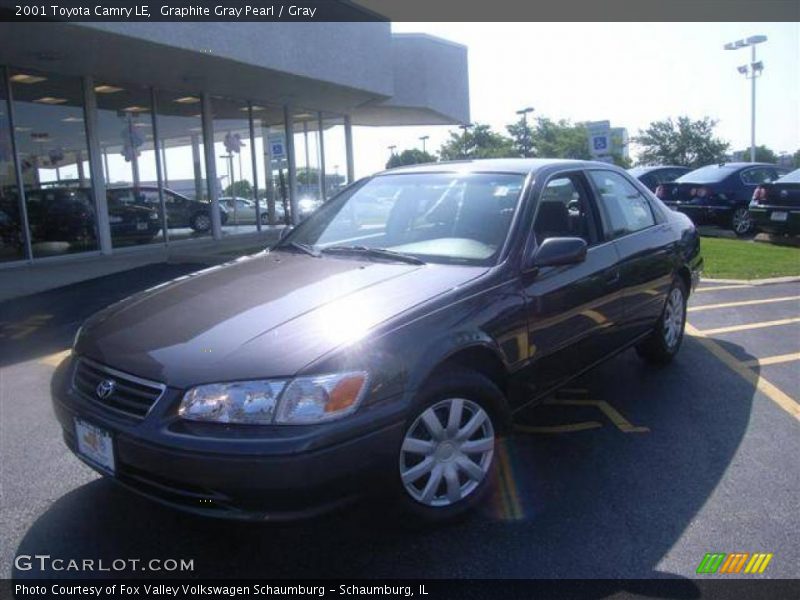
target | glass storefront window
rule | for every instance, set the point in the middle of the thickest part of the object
(12, 241)
(271, 162)
(180, 131)
(233, 157)
(307, 159)
(335, 154)
(125, 131)
(53, 151)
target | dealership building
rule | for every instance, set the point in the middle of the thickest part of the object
(119, 137)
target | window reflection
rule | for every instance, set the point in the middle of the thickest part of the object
(51, 140)
(12, 242)
(180, 130)
(125, 130)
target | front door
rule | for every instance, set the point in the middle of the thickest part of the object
(572, 309)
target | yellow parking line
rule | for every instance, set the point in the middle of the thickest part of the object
(55, 359)
(772, 360)
(609, 411)
(747, 326)
(558, 428)
(713, 288)
(743, 303)
(762, 385)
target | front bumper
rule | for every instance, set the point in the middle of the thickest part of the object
(243, 473)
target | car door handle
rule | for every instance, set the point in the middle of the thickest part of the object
(611, 276)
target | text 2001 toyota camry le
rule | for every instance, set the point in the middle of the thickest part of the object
(383, 345)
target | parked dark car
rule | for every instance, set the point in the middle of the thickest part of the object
(653, 176)
(719, 194)
(181, 211)
(384, 352)
(775, 207)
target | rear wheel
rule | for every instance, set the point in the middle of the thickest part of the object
(742, 222)
(665, 340)
(447, 454)
(201, 222)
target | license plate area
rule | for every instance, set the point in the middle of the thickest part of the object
(141, 226)
(779, 215)
(96, 445)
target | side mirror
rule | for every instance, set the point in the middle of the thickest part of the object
(558, 251)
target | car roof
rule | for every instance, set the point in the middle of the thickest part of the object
(740, 165)
(521, 166)
(649, 168)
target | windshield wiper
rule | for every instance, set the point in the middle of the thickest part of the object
(375, 252)
(302, 247)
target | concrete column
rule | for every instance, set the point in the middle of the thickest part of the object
(288, 126)
(348, 148)
(198, 172)
(211, 166)
(161, 164)
(96, 165)
(254, 160)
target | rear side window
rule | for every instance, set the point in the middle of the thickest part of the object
(626, 209)
(759, 175)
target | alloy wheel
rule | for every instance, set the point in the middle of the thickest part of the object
(202, 222)
(447, 452)
(742, 221)
(673, 318)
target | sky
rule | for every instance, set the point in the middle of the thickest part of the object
(628, 73)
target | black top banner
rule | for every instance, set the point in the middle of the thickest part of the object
(400, 10)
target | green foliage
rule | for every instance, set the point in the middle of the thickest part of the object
(239, 188)
(522, 133)
(681, 142)
(796, 159)
(414, 156)
(479, 142)
(560, 139)
(763, 154)
(308, 176)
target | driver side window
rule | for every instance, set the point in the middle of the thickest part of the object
(564, 210)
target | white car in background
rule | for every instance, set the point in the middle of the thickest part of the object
(242, 211)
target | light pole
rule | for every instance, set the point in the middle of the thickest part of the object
(423, 138)
(751, 72)
(526, 138)
(465, 127)
(391, 150)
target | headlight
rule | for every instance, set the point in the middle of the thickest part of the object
(304, 400)
(238, 402)
(321, 398)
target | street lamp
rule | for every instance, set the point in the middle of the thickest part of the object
(525, 139)
(465, 127)
(391, 150)
(423, 138)
(751, 72)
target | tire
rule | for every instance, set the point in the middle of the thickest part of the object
(742, 222)
(201, 222)
(665, 340)
(264, 219)
(463, 478)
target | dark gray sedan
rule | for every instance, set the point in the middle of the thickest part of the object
(383, 345)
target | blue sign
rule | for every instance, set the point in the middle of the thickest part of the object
(600, 143)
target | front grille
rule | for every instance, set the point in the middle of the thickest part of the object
(129, 394)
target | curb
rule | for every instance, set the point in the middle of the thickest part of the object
(767, 281)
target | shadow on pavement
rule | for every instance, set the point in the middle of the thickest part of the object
(592, 504)
(40, 324)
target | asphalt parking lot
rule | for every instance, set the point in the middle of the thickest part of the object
(633, 471)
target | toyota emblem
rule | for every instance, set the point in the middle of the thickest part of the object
(105, 388)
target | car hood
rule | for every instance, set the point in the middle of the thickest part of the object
(263, 316)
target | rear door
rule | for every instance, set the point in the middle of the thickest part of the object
(643, 241)
(572, 309)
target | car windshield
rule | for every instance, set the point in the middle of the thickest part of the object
(793, 177)
(461, 218)
(709, 174)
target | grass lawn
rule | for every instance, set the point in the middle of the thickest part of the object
(739, 259)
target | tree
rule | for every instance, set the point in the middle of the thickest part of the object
(239, 188)
(522, 133)
(763, 154)
(413, 156)
(479, 142)
(560, 139)
(681, 142)
(796, 159)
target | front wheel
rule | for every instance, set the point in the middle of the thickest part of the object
(446, 458)
(201, 222)
(664, 342)
(742, 222)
